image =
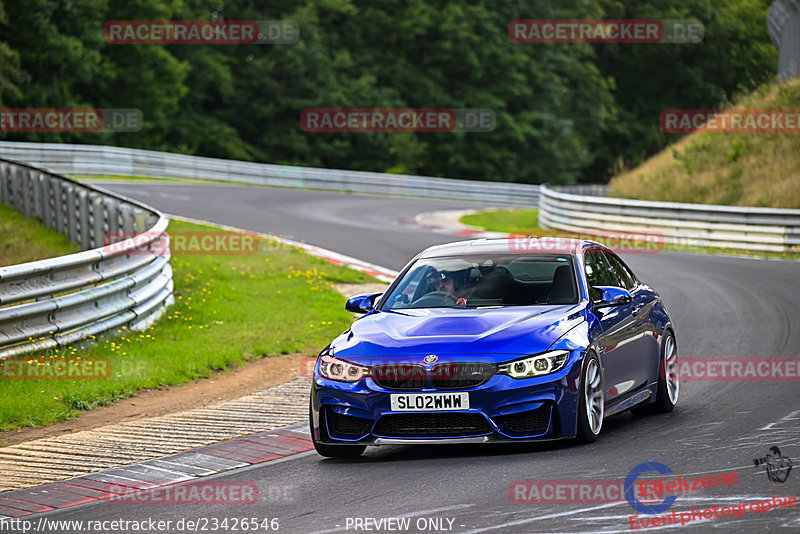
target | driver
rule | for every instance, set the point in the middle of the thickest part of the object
(445, 282)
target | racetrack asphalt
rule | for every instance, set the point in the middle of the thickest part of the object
(722, 306)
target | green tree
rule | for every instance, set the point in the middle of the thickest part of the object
(565, 112)
(65, 62)
(735, 55)
(9, 63)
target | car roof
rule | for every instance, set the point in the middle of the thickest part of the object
(516, 245)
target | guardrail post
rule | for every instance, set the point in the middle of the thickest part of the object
(38, 196)
(84, 233)
(71, 213)
(98, 219)
(58, 208)
(27, 195)
(126, 214)
(49, 202)
(140, 220)
(14, 190)
(112, 212)
(4, 182)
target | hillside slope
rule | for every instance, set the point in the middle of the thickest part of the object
(752, 169)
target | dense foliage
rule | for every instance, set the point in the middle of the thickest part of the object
(565, 112)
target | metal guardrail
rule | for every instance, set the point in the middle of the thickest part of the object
(59, 301)
(109, 160)
(693, 225)
(580, 208)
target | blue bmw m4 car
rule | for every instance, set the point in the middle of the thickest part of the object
(485, 341)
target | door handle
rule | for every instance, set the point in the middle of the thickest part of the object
(636, 310)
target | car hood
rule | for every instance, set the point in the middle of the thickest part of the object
(451, 331)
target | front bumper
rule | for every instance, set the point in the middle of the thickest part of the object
(503, 409)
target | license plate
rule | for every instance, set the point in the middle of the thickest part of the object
(429, 402)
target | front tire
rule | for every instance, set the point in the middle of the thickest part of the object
(591, 403)
(334, 451)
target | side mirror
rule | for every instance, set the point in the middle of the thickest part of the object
(610, 296)
(362, 303)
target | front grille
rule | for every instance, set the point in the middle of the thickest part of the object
(347, 426)
(461, 375)
(457, 375)
(400, 376)
(431, 424)
(532, 423)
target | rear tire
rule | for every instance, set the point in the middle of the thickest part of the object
(334, 451)
(591, 401)
(668, 382)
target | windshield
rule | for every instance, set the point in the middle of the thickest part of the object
(485, 280)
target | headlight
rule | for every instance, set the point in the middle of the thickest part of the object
(336, 369)
(541, 364)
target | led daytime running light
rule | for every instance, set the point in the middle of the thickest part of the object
(336, 369)
(541, 364)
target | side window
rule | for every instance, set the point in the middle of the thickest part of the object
(591, 268)
(621, 272)
(598, 270)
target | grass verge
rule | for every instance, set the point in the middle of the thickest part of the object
(521, 222)
(228, 309)
(23, 240)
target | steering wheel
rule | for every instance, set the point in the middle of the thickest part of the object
(438, 298)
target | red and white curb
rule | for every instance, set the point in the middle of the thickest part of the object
(447, 222)
(210, 459)
(381, 273)
(207, 460)
(182, 467)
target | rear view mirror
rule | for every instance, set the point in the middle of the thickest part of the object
(362, 303)
(609, 296)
